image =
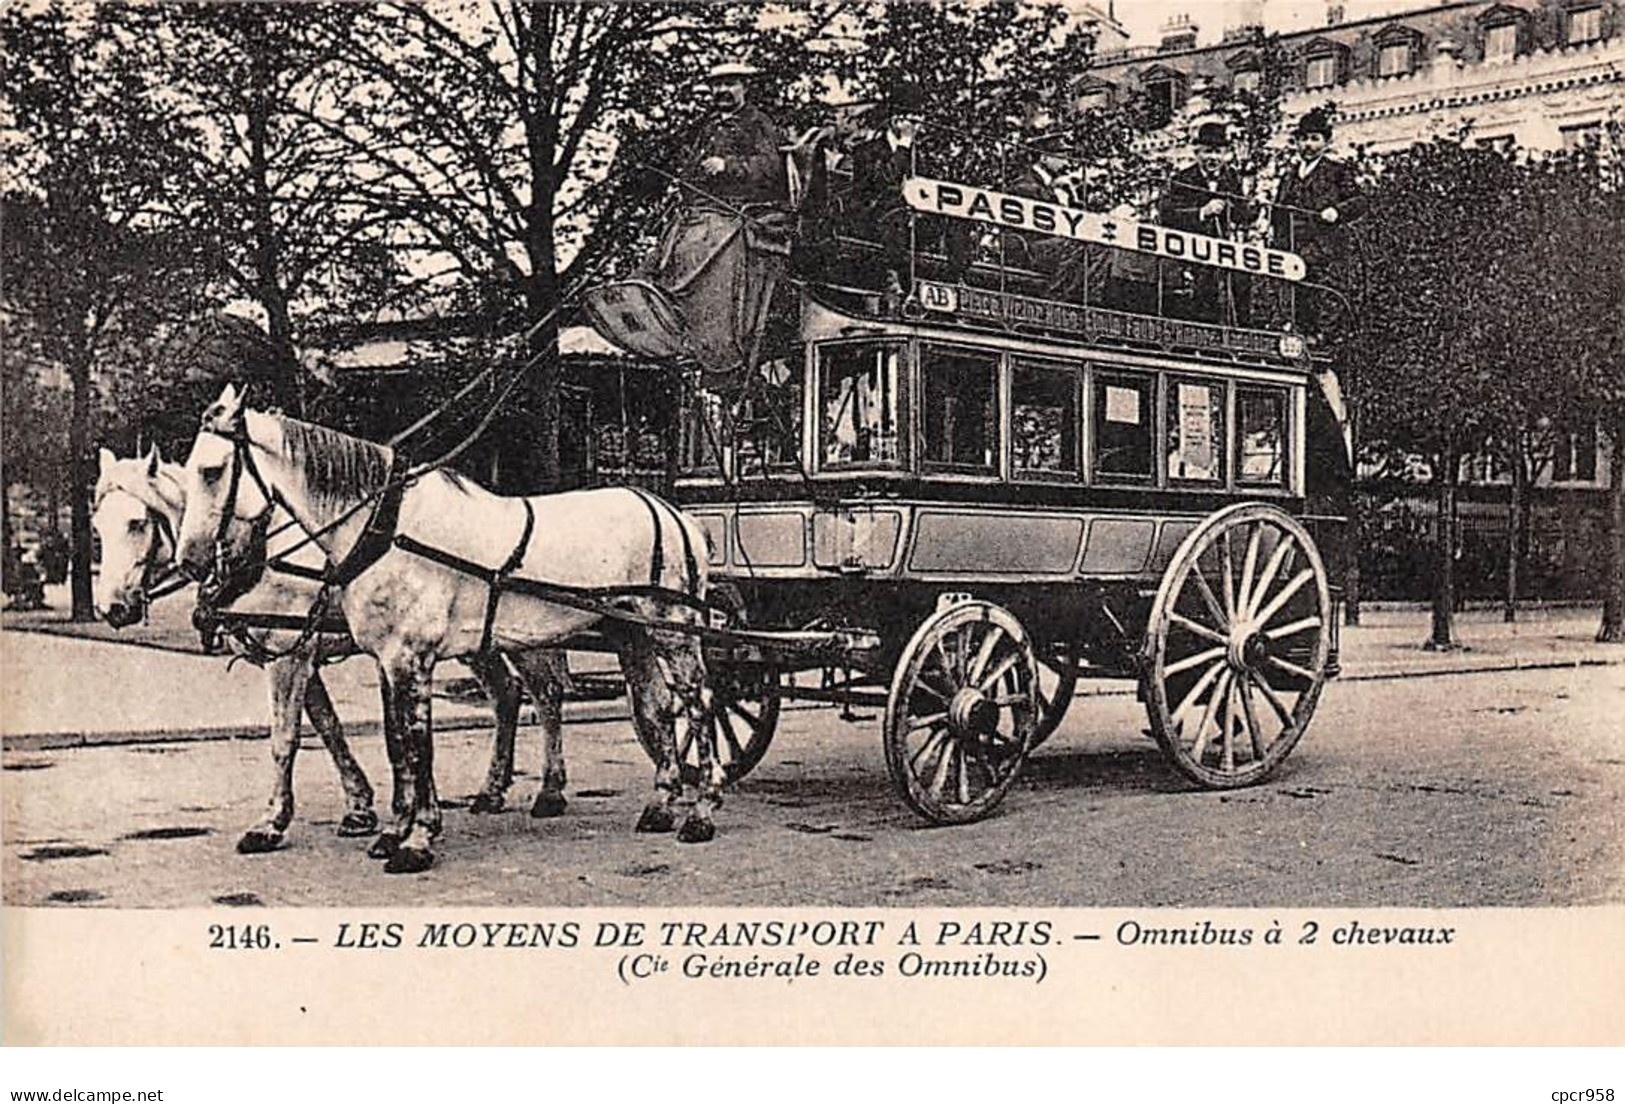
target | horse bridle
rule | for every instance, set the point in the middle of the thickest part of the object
(159, 574)
(242, 460)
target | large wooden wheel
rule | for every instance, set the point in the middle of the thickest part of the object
(1057, 680)
(1237, 644)
(745, 704)
(962, 713)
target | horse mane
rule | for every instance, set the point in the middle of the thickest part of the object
(339, 470)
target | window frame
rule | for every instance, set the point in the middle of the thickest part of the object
(997, 468)
(1309, 64)
(1054, 366)
(1220, 442)
(1572, 16)
(1406, 54)
(1240, 389)
(1491, 29)
(1100, 376)
(815, 433)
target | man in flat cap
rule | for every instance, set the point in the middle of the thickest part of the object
(1206, 198)
(1317, 198)
(740, 158)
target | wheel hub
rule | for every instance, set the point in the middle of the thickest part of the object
(972, 714)
(1248, 648)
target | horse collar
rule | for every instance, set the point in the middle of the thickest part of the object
(377, 537)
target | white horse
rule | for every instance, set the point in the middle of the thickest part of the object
(435, 567)
(138, 508)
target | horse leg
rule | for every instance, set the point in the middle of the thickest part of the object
(285, 680)
(652, 715)
(411, 690)
(684, 667)
(545, 671)
(400, 805)
(503, 690)
(360, 820)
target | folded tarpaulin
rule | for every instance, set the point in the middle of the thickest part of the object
(706, 293)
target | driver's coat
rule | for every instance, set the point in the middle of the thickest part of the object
(407, 604)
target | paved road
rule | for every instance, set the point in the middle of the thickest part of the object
(1465, 790)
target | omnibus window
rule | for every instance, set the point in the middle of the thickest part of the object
(1261, 436)
(961, 415)
(1195, 431)
(768, 427)
(1043, 418)
(1123, 416)
(858, 402)
(702, 434)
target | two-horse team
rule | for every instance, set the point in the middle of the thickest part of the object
(284, 524)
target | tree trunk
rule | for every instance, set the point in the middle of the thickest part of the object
(283, 377)
(1444, 576)
(1517, 506)
(82, 475)
(1612, 630)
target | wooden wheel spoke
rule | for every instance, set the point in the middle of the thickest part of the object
(1199, 742)
(964, 777)
(1254, 730)
(735, 748)
(1293, 628)
(1249, 562)
(1230, 726)
(1193, 661)
(1285, 595)
(1229, 581)
(1195, 693)
(1004, 700)
(1273, 697)
(1208, 597)
(961, 654)
(1198, 628)
(1000, 669)
(985, 652)
(920, 755)
(1290, 668)
(922, 684)
(917, 723)
(1277, 558)
(945, 763)
(945, 667)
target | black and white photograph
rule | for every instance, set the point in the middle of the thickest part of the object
(726, 494)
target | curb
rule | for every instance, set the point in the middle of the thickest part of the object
(604, 711)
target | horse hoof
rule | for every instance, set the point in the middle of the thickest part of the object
(486, 803)
(409, 860)
(550, 805)
(656, 818)
(257, 841)
(358, 824)
(697, 830)
(384, 846)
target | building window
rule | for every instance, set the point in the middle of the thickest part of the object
(960, 410)
(1585, 25)
(1501, 42)
(1043, 419)
(1164, 94)
(1195, 421)
(1124, 414)
(1321, 72)
(1575, 459)
(1584, 136)
(859, 399)
(1394, 60)
(1249, 81)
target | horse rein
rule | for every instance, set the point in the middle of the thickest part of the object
(159, 574)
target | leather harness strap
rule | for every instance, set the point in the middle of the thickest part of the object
(378, 535)
(500, 576)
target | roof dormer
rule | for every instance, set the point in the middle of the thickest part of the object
(1325, 63)
(1503, 32)
(1399, 50)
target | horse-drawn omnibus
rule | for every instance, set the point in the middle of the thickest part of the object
(956, 507)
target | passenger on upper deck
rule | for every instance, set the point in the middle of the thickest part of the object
(1052, 175)
(1318, 197)
(1207, 198)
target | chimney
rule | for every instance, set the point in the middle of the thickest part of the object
(1334, 13)
(1179, 33)
(1244, 20)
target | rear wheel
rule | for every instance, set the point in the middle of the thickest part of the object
(744, 716)
(1237, 646)
(962, 713)
(1057, 681)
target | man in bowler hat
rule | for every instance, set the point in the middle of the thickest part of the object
(1318, 197)
(1206, 198)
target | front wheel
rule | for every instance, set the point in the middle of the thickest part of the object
(1237, 646)
(962, 713)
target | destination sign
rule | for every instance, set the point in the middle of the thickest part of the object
(1093, 323)
(942, 197)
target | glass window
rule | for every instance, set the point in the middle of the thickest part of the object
(1501, 43)
(702, 434)
(1261, 436)
(1124, 411)
(1322, 72)
(1195, 442)
(1248, 80)
(1585, 26)
(1582, 136)
(768, 426)
(959, 409)
(1394, 60)
(1043, 419)
(859, 405)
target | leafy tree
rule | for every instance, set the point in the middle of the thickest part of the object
(89, 243)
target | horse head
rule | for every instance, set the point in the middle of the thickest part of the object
(221, 540)
(134, 520)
